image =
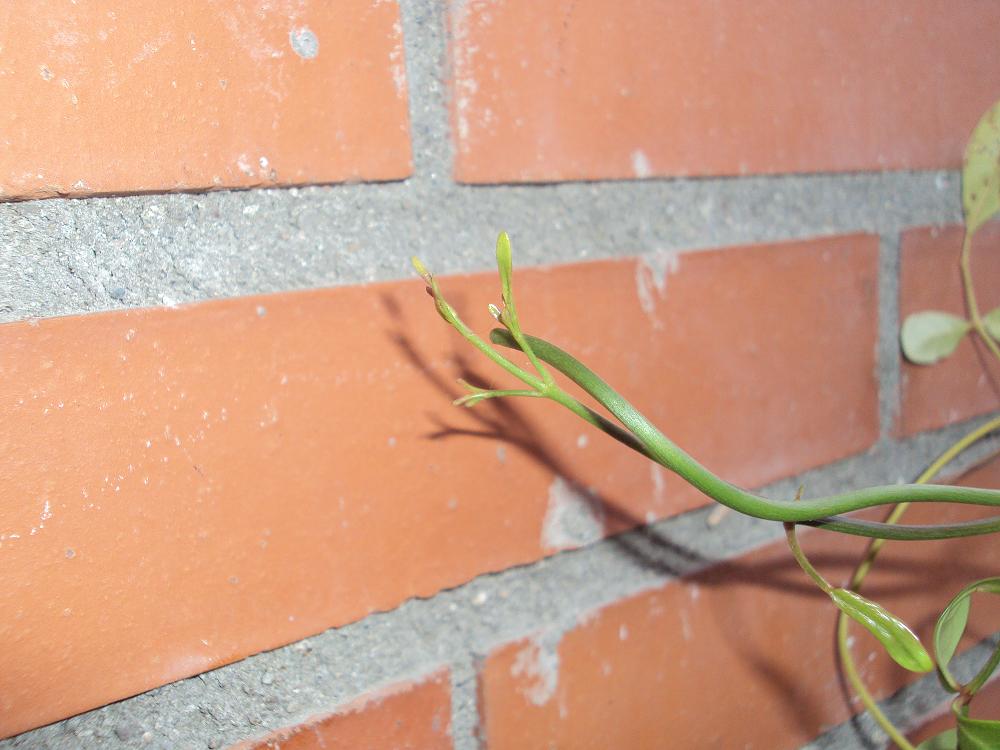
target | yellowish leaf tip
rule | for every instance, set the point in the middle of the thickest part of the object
(420, 268)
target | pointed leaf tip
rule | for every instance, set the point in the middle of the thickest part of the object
(931, 335)
(903, 646)
(420, 268)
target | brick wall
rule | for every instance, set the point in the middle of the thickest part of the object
(237, 508)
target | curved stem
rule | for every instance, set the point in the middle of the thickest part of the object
(817, 511)
(984, 674)
(803, 561)
(851, 673)
(965, 263)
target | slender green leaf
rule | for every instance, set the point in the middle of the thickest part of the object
(505, 265)
(903, 646)
(947, 633)
(981, 171)
(991, 321)
(420, 268)
(947, 740)
(976, 734)
(951, 625)
(931, 335)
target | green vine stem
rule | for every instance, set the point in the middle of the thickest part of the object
(970, 297)
(803, 561)
(823, 512)
(641, 435)
(847, 662)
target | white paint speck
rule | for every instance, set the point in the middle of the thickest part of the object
(538, 662)
(244, 165)
(640, 164)
(656, 477)
(574, 517)
(651, 274)
(685, 625)
(304, 42)
(581, 441)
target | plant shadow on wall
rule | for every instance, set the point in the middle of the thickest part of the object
(926, 337)
(505, 422)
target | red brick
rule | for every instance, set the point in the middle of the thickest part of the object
(967, 383)
(570, 90)
(111, 97)
(405, 715)
(189, 486)
(740, 656)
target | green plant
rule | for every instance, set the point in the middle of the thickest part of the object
(925, 338)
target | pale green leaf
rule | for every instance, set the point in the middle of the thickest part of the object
(951, 625)
(903, 646)
(981, 171)
(991, 321)
(947, 633)
(931, 335)
(947, 740)
(505, 265)
(976, 734)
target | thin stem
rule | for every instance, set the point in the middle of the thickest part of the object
(447, 312)
(926, 476)
(843, 621)
(823, 511)
(799, 555)
(472, 399)
(984, 674)
(515, 331)
(970, 297)
(852, 676)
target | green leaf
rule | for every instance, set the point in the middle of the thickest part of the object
(951, 624)
(931, 335)
(505, 265)
(981, 171)
(976, 734)
(947, 740)
(420, 268)
(903, 646)
(947, 633)
(991, 321)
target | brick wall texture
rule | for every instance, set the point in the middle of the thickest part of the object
(236, 508)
